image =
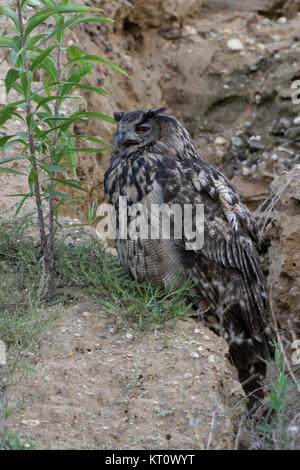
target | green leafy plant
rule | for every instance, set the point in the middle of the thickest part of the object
(276, 427)
(48, 145)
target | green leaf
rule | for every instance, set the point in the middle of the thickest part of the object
(93, 19)
(52, 168)
(7, 42)
(28, 369)
(4, 139)
(72, 184)
(101, 91)
(41, 57)
(12, 143)
(50, 84)
(36, 20)
(75, 51)
(11, 106)
(10, 170)
(72, 21)
(60, 19)
(34, 3)
(30, 121)
(18, 57)
(49, 3)
(60, 195)
(32, 40)
(104, 117)
(50, 67)
(11, 76)
(275, 402)
(42, 102)
(75, 9)
(264, 427)
(33, 178)
(12, 15)
(96, 58)
(26, 78)
(12, 158)
(75, 78)
(20, 204)
(90, 138)
(5, 116)
(88, 149)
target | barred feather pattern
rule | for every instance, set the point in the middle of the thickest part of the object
(164, 167)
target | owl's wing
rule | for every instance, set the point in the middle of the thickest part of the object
(227, 266)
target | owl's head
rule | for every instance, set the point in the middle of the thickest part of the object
(139, 129)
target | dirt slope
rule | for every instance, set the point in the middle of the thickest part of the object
(97, 387)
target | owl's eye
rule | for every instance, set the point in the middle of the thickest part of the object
(142, 129)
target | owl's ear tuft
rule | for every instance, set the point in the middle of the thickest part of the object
(118, 115)
(159, 110)
(150, 113)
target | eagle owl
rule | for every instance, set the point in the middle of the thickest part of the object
(154, 161)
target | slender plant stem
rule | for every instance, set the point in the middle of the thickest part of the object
(37, 192)
(54, 143)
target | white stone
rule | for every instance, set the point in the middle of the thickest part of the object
(245, 171)
(235, 44)
(188, 31)
(296, 121)
(282, 20)
(220, 141)
(261, 46)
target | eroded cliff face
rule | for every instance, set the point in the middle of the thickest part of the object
(283, 231)
(224, 72)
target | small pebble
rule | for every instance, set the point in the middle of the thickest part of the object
(296, 121)
(266, 22)
(234, 44)
(285, 122)
(245, 171)
(236, 141)
(31, 422)
(292, 132)
(282, 20)
(220, 141)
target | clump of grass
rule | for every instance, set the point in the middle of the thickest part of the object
(85, 268)
(23, 312)
(144, 308)
(275, 425)
(11, 440)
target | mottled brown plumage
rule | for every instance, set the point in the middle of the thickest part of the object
(155, 161)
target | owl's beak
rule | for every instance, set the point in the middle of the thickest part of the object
(126, 140)
(120, 137)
